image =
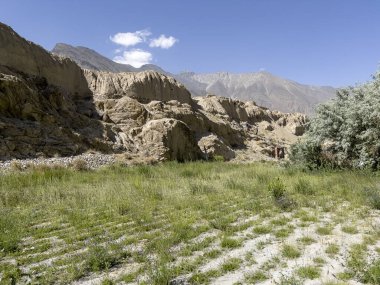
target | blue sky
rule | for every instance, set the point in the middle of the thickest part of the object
(321, 42)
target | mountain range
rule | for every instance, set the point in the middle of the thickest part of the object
(264, 88)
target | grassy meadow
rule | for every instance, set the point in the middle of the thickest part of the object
(214, 222)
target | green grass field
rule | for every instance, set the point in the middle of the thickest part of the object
(200, 221)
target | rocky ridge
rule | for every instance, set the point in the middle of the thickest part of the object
(262, 87)
(51, 107)
(90, 59)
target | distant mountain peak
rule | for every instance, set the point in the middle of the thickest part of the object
(262, 86)
(90, 59)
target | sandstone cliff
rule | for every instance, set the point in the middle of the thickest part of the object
(18, 54)
(49, 106)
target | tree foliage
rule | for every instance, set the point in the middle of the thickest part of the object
(345, 131)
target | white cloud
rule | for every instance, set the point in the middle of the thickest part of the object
(134, 57)
(163, 42)
(130, 39)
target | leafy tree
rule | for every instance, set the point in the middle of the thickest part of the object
(345, 131)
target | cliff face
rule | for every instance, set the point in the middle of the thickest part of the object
(38, 119)
(49, 106)
(16, 53)
(46, 106)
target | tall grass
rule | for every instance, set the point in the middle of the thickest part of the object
(178, 201)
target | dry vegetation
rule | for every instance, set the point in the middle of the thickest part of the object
(215, 223)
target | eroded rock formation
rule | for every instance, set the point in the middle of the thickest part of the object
(49, 106)
(19, 54)
(144, 86)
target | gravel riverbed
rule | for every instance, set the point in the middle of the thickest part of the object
(89, 160)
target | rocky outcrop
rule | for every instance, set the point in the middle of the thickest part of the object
(125, 112)
(46, 107)
(37, 119)
(89, 59)
(143, 86)
(167, 139)
(50, 107)
(213, 146)
(225, 108)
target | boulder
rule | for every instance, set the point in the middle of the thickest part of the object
(180, 111)
(223, 107)
(256, 114)
(126, 112)
(167, 139)
(212, 146)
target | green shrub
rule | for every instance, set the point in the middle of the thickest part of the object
(344, 131)
(281, 197)
(306, 152)
(277, 188)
